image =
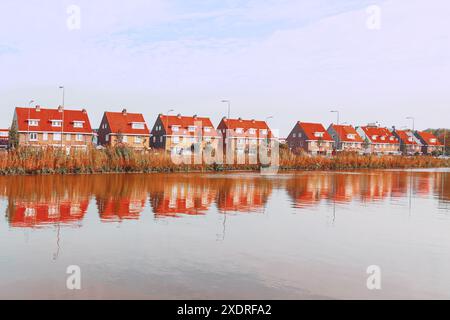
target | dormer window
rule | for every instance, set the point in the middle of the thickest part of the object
(239, 130)
(374, 137)
(78, 124)
(392, 138)
(351, 136)
(56, 123)
(251, 131)
(410, 139)
(138, 125)
(192, 128)
(175, 128)
(318, 134)
(433, 140)
(207, 129)
(384, 138)
(263, 131)
(33, 123)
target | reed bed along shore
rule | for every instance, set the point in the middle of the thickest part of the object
(119, 160)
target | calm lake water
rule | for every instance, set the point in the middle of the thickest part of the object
(227, 236)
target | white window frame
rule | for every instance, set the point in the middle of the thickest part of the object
(45, 136)
(33, 123)
(56, 123)
(57, 134)
(68, 137)
(78, 124)
(137, 139)
(79, 137)
(33, 136)
(138, 125)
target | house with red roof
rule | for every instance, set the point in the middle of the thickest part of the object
(379, 140)
(180, 134)
(42, 127)
(409, 144)
(244, 136)
(4, 138)
(346, 139)
(124, 128)
(311, 138)
(430, 143)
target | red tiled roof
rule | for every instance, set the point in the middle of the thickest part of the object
(122, 122)
(405, 138)
(246, 125)
(344, 131)
(428, 137)
(184, 123)
(311, 128)
(379, 135)
(46, 115)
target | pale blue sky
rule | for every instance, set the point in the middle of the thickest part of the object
(293, 59)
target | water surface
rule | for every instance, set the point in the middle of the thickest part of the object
(227, 236)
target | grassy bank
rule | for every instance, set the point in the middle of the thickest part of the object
(113, 160)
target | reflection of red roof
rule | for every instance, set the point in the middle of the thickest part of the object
(429, 138)
(120, 209)
(39, 214)
(405, 138)
(344, 132)
(45, 116)
(184, 123)
(310, 129)
(121, 122)
(380, 135)
(245, 125)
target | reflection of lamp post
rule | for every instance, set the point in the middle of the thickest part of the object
(229, 106)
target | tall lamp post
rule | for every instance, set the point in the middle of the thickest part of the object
(28, 121)
(62, 123)
(229, 106)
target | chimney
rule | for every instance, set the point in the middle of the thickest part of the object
(224, 119)
(38, 108)
(240, 119)
(195, 116)
(179, 116)
(84, 111)
(60, 108)
(253, 121)
(124, 112)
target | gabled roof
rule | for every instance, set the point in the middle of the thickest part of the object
(311, 128)
(380, 135)
(184, 122)
(121, 122)
(344, 131)
(406, 137)
(45, 116)
(245, 125)
(429, 139)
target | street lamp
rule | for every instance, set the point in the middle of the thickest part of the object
(337, 113)
(28, 121)
(62, 123)
(229, 106)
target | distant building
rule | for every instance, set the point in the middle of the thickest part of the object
(4, 138)
(41, 127)
(378, 140)
(409, 144)
(346, 138)
(312, 138)
(124, 128)
(430, 143)
(180, 134)
(244, 136)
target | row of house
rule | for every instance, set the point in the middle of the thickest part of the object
(59, 127)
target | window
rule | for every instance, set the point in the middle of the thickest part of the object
(251, 131)
(175, 128)
(161, 139)
(294, 135)
(79, 137)
(107, 138)
(374, 137)
(176, 139)
(33, 136)
(264, 131)
(78, 124)
(207, 139)
(68, 137)
(207, 129)
(193, 140)
(124, 139)
(351, 136)
(137, 139)
(3, 134)
(192, 128)
(33, 123)
(56, 123)
(45, 136)
(239, 130)
(318, 134)
(138, 125)
(433, 140)
(57, 136)
(154, 139)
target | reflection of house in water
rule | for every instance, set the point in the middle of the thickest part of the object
(308, 190)
(35, 201)
(243, 195)
(34, 214)
(174, 197)
(113, 209)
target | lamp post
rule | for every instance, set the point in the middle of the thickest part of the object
(229, 106)
(413, 122)
(62, 116)
(28, 121)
